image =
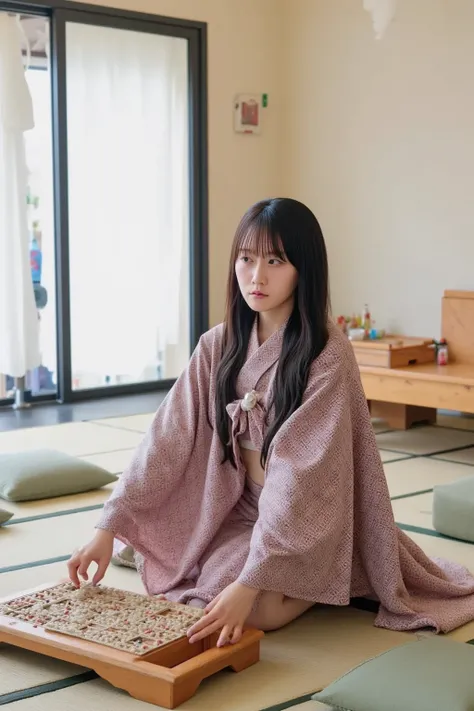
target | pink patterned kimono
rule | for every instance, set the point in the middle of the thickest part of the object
(320, 529)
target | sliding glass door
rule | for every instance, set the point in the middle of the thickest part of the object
(128, 199)
(130, 259)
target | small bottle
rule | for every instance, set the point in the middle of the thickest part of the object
(366, 321)
(36, 259)
(442, 352)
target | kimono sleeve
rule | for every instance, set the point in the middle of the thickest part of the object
(302, 541)
(162, 458)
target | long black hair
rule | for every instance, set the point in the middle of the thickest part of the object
(286, 228)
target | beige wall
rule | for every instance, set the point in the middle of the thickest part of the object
(379, 140)
(377, 137)
(243, 56)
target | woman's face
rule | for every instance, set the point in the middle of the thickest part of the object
(267, 283)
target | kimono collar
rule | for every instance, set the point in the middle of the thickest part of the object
(260, 358)
(247, 413)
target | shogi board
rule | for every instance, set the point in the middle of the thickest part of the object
(135, 642)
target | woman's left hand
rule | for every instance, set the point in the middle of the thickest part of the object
(227, 612)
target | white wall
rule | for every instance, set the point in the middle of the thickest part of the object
(379, 140)
(244, 40)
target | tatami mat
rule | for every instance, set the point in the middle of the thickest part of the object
(75, 438)
(439, 547)
(425, 440)
(46, 538)
(20, 669)
(380, 425)
(391, 456)
(421, 473)
(135, 423)
(97, 694)
(25, 509)
(114, 462)
(414, 510)
(463, 456)
(456, 421)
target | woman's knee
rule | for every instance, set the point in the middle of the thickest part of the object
(274, 611)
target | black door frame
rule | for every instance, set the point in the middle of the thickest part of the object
(60, 12)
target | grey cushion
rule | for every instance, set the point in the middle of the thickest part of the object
(45, 473)
(432, 674)
(5, 516)
(453, 509)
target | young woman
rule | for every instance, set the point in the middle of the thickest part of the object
(258, 490)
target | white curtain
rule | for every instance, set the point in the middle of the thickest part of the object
(39, 156)
(19, 332)
(127, 112)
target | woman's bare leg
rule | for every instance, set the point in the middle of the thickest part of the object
(274, 610)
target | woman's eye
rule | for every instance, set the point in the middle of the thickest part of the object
(275, 261)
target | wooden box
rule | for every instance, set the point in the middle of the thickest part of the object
(394, 352)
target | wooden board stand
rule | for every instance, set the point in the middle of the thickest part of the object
(166, 677)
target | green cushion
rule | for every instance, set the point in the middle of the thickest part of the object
(432, 674)
(5, 516)
(41, 474)
(453, 509)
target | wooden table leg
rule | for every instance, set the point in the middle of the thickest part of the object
(402, 417)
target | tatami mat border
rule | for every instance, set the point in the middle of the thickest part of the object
(34, 564)
(57, 685)
(425, 455)
(429, 532)
(403, 456)
(410, 494)
(288, 704)
(450, 461)
(449, 451)
(116, 427)
(54, 514)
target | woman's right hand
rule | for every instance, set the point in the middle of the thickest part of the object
(99, 551)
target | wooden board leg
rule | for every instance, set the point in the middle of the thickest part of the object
(402, 417)
(152, 690)
(190, 674)
(246, 658)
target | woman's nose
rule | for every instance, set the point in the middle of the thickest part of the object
(259, 273)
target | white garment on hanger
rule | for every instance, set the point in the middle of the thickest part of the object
(19, 327)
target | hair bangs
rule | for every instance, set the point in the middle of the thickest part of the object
(261, 240)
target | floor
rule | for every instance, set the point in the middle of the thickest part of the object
(38, 540)
(43, 415)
